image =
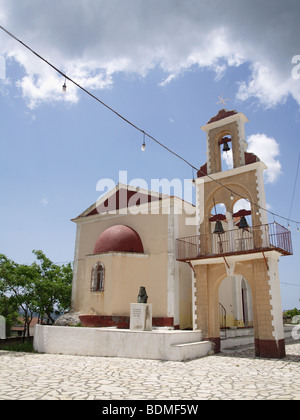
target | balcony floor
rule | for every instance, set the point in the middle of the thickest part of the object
(228, 254)
(258, 239)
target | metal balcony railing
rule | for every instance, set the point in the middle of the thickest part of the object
(234, 242)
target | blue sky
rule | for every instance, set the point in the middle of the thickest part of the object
(162, 65)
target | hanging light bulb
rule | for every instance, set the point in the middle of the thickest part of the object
(143, 148)
(231, 197)
(193, 180)
(64, 88)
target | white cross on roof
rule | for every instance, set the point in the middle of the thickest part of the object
(222, 101)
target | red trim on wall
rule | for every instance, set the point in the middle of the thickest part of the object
(122, 322)
(216, 344)
(163, 322)
(270, 348)
(250, 158)
(202, 171)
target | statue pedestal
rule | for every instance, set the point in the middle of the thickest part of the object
(141, 316)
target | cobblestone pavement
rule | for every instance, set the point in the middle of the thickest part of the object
(237, 375)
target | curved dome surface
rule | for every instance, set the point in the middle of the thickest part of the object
(119, 238)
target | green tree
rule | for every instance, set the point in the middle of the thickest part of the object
(42, 287)
(17, 283)
(292, 312)
(53, 287)
(9, 309)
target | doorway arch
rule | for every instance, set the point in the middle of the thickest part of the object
(268, 335)
(235, 302)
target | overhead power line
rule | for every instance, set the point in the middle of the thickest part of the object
(294, 190)
(95, 97)
(141, 130)
(290, 284)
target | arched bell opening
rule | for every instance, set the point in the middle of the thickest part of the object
(242, 214)
(218, 227)
(217, 218)
(225, 145)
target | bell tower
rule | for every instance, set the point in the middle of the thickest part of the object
(221, 137)
(226, 132)
(237, 242)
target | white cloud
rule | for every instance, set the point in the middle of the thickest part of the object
(228, 159)
(45, 201)
(267, 86)
(241, 205)
(267, 149)
(167, 80)
(93, 40)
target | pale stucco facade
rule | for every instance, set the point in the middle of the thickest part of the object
(167, 281)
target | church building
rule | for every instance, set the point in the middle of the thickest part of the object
(127, 240)
(217, 273)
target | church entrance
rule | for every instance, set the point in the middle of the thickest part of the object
(235, 303)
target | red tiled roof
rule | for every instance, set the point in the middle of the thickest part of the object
(121, 199)
(223, 113)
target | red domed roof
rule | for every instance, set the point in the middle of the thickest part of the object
(119, 238)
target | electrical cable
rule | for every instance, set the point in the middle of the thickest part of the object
(139, 129)
(293, 196)
(95, 97)
(290, 284)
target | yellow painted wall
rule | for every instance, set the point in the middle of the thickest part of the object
(126, 273)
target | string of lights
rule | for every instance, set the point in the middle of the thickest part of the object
(95, 97)
(145, 134)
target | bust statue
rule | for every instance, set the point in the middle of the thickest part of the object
(142, 296)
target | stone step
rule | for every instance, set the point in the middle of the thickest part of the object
(190, 351)
(196, 343)
(237, 341)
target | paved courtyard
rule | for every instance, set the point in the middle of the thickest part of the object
(233, 375)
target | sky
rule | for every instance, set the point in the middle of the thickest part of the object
(162, 65)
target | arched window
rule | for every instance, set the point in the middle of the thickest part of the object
(97, 283)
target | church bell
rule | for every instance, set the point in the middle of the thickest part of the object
(226, 148)
(243, 223)
(219, 227)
